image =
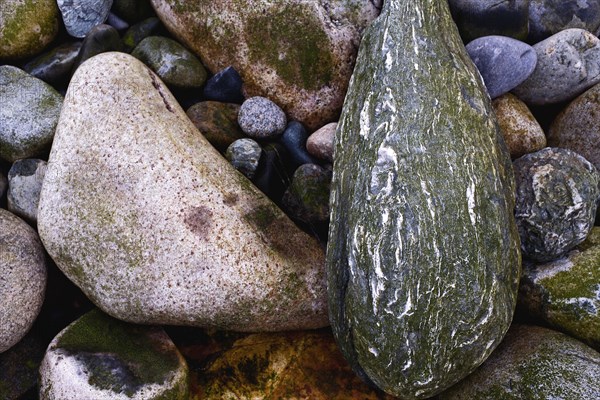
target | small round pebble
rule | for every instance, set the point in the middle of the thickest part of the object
(81, 16)
(321, 143)
(101, 39)
(244, 155)
(547, 17)
(25, 180)
(557, 195)
(294, 139)
(260, 118)
(307, 198)
(225, 86)
(217, 122)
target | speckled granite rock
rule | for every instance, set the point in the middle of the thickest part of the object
(80, 16)
(300, 54)
(320, 143)
(547, 17)
(244, 155)
(423, 257)
(98, 357)
(260, 118)
(557, 195)
(155, 226)
(217, 122)
(25, 180)
(533, 363)
(22, 278)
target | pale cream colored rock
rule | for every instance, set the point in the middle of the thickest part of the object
(146, 217)
(320, 144)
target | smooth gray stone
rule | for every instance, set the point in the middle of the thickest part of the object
(25, 180)
(307, 198)
(503, 62)
(55, 66)
(547, 17)
(101, 39)
(80, 16)
(244, 154)
(260, 118)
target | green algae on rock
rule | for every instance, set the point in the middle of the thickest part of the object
(423, 256)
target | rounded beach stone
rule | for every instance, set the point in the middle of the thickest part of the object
(225, 86)
(547, 17)
(294, 139)
(175, 65)
(533, 363)
(503, 62)
(567, 64)
(521, 131)
(320, 143)
(26, 27)
(25, 180)
(28, 116)
(260, 118)
(244, 155)
(557, 195)
(100, 39)
(22, 278)
(98, 357)
(80, 16)
(55, 66)
(217, 122)
(139, 32)
(307, 198)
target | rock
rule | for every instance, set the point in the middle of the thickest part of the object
(300, 54)
(176, 235)
(54, 67)
(175, 65)
(80, 16)
(217, 122)
(577, 127)
(307, 198)
(504, 63)
(320, 143)
(19, 367)
(521, 131)
(533, 363)
(98, 357)
(26, 27)
(294, 139)
(273, 174)
(547, 17)
(133, 10)
(139, 32)
(101, 39)
(477, 18)
(244, 154)
(568, 63)
(423, 259)
(260, 118)
(117, 23)
(28, 116)
(3, 184)
(557, 195)
(566, 292)
(22, 278)
(225, 86)
(25, 180)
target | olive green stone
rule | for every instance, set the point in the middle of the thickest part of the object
(217, 122)
(139, 32)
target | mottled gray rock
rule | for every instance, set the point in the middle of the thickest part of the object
(533, 363)
(557, 195)
(521, 131)
(320, 143)
(54, 66)
(244, 154)
(504, 63)
(22, 278)
(260, 118)
(25, 180)
(307, 198)
(547, 17)
(28, 116)
(423, 258)
(172, 62)
(80, 16)
(98, 357)
(3, 184)
(100, 39)
(156, 227)
(217, 122)
(568, 63)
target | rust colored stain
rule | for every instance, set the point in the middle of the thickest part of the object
(198, 220)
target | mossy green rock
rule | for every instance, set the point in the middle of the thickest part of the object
(217, 122)
(566, 292)
(98, 357)
(423, 255)
(533, 363)
(26, 27)
(155, 226)
(297, 53)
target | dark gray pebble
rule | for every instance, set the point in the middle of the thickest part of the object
(55, 66)
(225, 86)
(101, 39)
(139, 32)
(294, 139)
(547, 17)
(244, 155)
(273, 174)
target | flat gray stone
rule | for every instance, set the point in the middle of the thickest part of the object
(260, 118)
(80, 16)
(25, 180)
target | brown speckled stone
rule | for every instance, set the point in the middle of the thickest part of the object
(320, 143)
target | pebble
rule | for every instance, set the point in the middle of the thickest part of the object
(22, 278)
(307, 198)
(217, 122)
(175, 65)
(260, 118)
(321, 143)
(25, 180)
(557, 195)
(81, 16)
(294, 139)
(101, 358)
(547, 17)
(55, 66)
(28, 116)
(139, 32)
(520, 130)
(101, 39)
(503, 62)
(117, 23)
(225, 86)
(568, 63)
(244, 155)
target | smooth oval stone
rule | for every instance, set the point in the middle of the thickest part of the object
(139, 32)
(100, 39)
(80, 16)
(521, 131)
(26, 27)
(503, 62)
(566, 292)
(477, 18)
(25, 180)
(175, 65)
(28, 116)
(577, 127)
(547, 17)
(260, 118)
(533, 363)
(244, 155)
(307, 198)
(133, 10)
(155, 226)
(54, 67)
(217, 122)
(22, 278)
(557, 196)
(294, 139)
(567, 64)
(320, 143)
(225, 86)
(116, 22)
(98, 357)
